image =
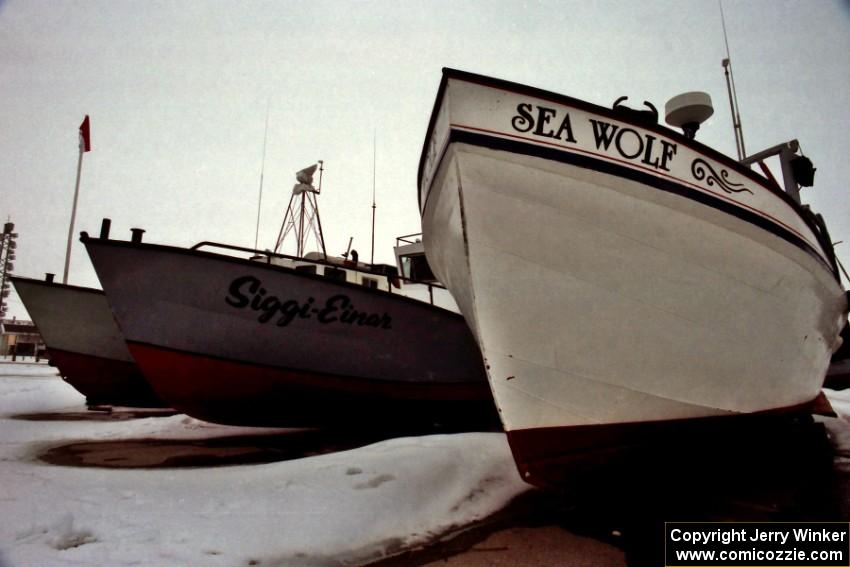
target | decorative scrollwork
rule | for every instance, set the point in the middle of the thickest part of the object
(698, 169)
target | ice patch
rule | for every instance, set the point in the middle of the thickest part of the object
(375, 482)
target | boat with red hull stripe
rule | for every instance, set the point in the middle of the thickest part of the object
(293, 342)
(84, 343)
(646, 283)
(241, 393)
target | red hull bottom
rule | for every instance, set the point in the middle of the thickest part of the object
(236, 393)
(104, 381)
(557, 457)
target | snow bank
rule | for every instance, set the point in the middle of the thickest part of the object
(342, 508)
(840, 402)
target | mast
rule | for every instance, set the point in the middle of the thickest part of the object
(733, 95)
(316, 208)
(302, 213)
(374, 137)
(262, 171)
(301, 237)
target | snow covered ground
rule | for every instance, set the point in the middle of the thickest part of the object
(342, 508)
(840, 402)
(839, 430)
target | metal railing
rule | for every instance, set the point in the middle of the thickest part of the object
(406, 239)
(393, 279)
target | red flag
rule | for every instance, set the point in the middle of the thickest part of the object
(85, 134)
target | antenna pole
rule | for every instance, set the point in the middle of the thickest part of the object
(262, 171)
(316, 206)
(374, 137)
(301, 240)
(733, 95)
(321, 169)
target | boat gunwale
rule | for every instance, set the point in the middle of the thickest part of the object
(273, 267)
(44, 283)
(549, 96)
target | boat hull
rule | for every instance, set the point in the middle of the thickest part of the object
(85, 343)
(240, 393)
(211, 336)
(620, 296)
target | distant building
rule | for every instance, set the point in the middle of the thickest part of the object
(20, 338)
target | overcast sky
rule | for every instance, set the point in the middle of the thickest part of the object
(177, 93)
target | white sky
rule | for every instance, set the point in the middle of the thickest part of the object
(177, 94)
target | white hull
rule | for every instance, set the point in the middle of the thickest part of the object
(598, 299)
(85, 343)
(73, 319)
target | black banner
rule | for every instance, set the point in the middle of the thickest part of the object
(744, 544)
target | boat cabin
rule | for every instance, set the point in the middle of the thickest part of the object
(411, 277)
(378, 276)
(411, 261)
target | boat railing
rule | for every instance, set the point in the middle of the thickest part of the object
(267, 253)
(407, 239)
(433, 293)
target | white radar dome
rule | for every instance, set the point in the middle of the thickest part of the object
(688, 111)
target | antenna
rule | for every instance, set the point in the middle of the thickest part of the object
(348, 250)
(374, 138)
(316, 208)
(733, 95)
(262, 171)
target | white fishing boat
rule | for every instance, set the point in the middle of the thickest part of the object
(84, 342)
(619, 277)
(271, 339)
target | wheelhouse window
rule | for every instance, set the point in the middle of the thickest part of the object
(371, 283)
(416, 268)
(334, 274)
(311, 269)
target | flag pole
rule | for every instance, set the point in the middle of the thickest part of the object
(84, 147)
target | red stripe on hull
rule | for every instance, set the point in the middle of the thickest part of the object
(235, 393)
(555, 457)
(104, 381)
